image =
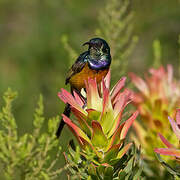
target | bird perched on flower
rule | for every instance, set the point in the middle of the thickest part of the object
(93, 63)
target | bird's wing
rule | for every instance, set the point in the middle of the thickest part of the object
(77, 66)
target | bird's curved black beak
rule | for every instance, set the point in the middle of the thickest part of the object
(87, 43)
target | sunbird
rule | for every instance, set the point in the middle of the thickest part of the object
(93, 63)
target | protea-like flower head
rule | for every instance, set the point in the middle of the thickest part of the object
(158, 96)
(100, 127)
(170, 149)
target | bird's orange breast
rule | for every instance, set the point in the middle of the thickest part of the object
(78, 80)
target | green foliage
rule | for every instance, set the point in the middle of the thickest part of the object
(179, 54)
(128, 167)
(71, 52)
(174, 172)
(27, 156)
(157, 53)
(116, 26)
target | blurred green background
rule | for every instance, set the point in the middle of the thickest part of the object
(33, 59)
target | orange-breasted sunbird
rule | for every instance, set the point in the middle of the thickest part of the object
(93, 63)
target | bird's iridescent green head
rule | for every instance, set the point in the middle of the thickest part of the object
(97, 48)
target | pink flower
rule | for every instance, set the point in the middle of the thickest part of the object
(159, 85)
(157, 95)
(171, 150)
(99, 128)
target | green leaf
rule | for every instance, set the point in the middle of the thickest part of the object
(112, 153)
(122, 175)
(98, 138)
(3, 158)
(82, 119)
(124, 150)
(137, 175)
(129, 166)
(92, 115)
(52, 125)
(107, 116)
(107, 121)
(100, 171)
(26, 155)
(92, 169)
(168, 167)
(89, 178)
(76, 130)
(38, 115)
(45, 175)
(108, 175)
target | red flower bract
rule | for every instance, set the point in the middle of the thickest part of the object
(171, 150)
(98, 127)
(157, 96)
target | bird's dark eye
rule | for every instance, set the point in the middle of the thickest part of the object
(105, 50)
(99, 44)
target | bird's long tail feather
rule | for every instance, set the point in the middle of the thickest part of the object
(67, 112)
